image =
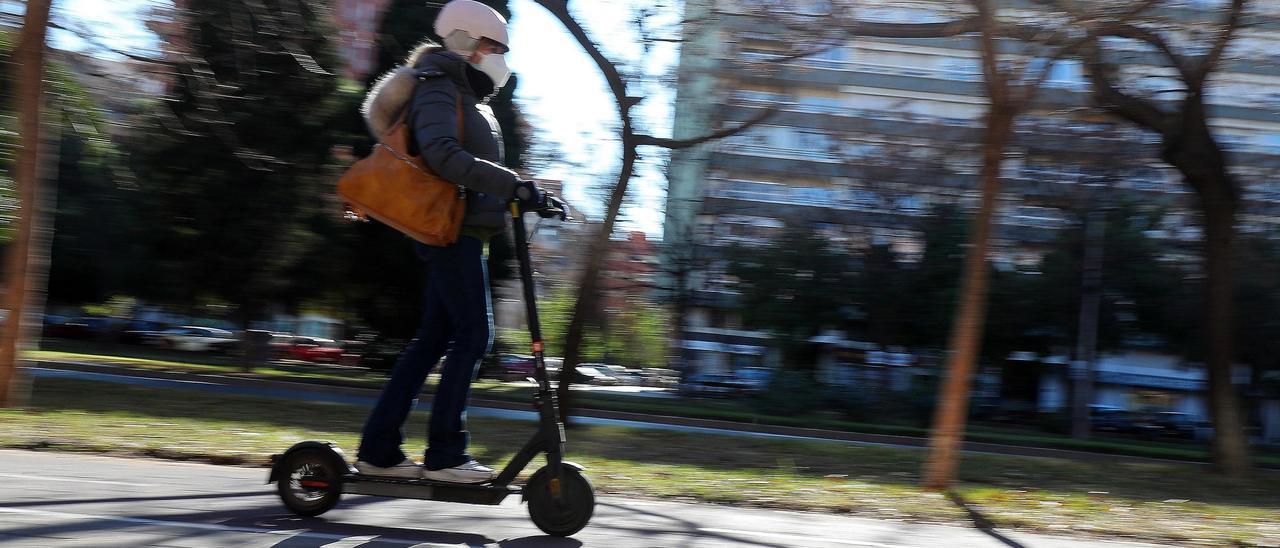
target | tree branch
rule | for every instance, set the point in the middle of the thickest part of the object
(1108, 95)
(618, 86)
(643, 139)
(1124, 29)
(914, 30)
(93, 40)
(1210, 61)
(994, 78)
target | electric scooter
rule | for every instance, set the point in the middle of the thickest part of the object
(312, 475)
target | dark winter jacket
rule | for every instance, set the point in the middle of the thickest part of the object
(429, 85)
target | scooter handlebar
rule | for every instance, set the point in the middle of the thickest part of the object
(553, 206)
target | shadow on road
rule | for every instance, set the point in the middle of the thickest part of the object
(132, 499)
(541, 542)
(980, 521)
(678, 525)
(297, 532)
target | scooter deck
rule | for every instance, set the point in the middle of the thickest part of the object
(424, 489)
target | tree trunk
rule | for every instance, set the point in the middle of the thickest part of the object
(1087, 338)
(966, 328)
(1230, 448)
(29, 84)
(1194, 152)
(587, 304)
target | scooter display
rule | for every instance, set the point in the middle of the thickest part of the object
(311, 476)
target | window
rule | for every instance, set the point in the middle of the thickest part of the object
(834, 105)
(813, 141)
(833, 56)
(862, 150)
(1066, 73)
(962, 68)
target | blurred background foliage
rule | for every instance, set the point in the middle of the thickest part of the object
(172, 205)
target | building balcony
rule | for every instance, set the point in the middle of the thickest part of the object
(941, 81)
(1036, 135)
(795, 163)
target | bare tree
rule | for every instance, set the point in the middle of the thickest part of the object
(588, 294)
(30, 87)
(1187, 144)
(1010, 85)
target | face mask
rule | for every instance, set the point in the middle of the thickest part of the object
(495, 66)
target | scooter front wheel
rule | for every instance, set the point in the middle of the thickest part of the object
(311, 484)
(560, 508)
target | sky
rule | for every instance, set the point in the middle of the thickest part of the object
(561, 92)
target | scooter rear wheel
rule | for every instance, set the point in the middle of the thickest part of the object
(311, 484)
(569, 514)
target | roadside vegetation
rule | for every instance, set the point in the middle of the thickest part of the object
(749, 410)
(1168, 502)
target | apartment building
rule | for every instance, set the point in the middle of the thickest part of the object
(873, 133)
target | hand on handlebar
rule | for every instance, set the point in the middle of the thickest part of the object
(553, 207)
(533, 198)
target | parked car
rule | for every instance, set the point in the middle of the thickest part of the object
(379, 353)
(595, 375)
(140, 332)
(707, 384)
(625, 376)
(279, 341)
(659, 377)
(754, 379)
(553, 367)
(513, 367)
(313, 349)
(79, 327)
(1109, 418)
(197, 339)
(1179, 425)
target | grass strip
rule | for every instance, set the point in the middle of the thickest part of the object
(1179, 503)
(727, 410)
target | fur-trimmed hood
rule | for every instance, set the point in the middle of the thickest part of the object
(392, 91)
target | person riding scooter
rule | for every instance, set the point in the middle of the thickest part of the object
(457, 321)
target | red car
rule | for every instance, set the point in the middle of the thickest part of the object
(313, 349)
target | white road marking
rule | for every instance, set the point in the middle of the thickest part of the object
(211, 527)
(351, 542)
(76, 480)
(804, 538)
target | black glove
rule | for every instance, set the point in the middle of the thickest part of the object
(554, 207)
(529, 195)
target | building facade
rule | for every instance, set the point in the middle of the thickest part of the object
(871, 134)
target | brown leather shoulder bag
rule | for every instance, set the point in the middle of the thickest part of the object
(393, 185)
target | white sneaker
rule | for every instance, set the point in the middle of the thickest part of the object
(469, 472)
(405, 470)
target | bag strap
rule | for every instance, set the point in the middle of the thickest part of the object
(457, 107)
(462, 129)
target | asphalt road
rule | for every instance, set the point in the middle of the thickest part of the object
(53, 499)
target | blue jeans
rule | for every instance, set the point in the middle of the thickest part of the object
(457, 319)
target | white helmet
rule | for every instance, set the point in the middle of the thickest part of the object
(475, 19)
